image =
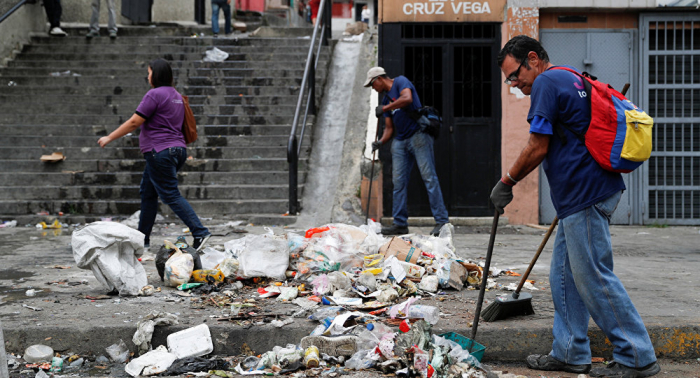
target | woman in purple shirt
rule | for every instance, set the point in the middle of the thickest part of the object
(160, 116)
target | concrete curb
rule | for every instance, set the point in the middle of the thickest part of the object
(506, 344)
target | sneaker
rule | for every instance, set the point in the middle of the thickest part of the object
(549, 363)
(199, 242)
(113, 35)
(57, 32)
(216, 35)
(332, 346)
(616, 370)
(395, 230)
(92, 34)
(436, 229)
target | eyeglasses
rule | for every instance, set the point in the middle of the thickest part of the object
(514, 76)
(372, 81)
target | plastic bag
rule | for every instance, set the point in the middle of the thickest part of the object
(178, 268)
(111, 251)
(118, 353)
(264, 255)
(215, 55)
(211, 258)
(229, 267)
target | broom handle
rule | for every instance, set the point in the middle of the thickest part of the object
(516, 294)
(484, 278)
(371, 174)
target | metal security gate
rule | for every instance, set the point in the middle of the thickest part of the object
(670, 67)
(609, 55)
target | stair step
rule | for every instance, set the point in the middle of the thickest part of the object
(71, 119)
(117, 90)
(260, 165)
(195, 150)
(134, 178)
(146, 57)
(140, 81)
(174, 40)
(89, 48)
(221, 208)
(112, 109)
(100, 131)
(133, 101)
(207, 140)
(124, 72)
(102, 192)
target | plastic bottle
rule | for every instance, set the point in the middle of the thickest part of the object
(326, 312)
(319, 330)
(430, 314)
(202, 274)
(311, 357)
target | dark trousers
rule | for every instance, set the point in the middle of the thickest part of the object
(53, 12)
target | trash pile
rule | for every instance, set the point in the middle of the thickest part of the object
(351, 281)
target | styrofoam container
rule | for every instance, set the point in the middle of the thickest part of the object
(38, 353)
(191, 342)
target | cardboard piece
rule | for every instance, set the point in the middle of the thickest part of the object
(458, 275)
(53, 158)
(401, 249)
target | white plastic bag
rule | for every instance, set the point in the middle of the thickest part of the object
(215, 55)
(111, 251)
(178, 268)
(211, 258)
(264, 256)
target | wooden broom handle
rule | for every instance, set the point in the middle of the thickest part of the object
(537, 255)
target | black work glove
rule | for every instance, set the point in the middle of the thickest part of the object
(501, 195)
(379, 111)
(376, 145)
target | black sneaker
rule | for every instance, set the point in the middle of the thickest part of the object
(616, 370)
(199, 242)
(395, 230)
(436, 229)
(549, 363)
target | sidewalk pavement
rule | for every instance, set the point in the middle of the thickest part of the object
(658, 266)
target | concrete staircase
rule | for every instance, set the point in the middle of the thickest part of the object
(62, 94)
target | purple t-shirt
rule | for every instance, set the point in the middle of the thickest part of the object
(164, 112)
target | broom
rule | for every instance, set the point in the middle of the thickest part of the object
(517, 304)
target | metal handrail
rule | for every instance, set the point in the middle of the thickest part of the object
(309, 80)
(9, 13)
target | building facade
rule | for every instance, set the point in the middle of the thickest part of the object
(448, 49)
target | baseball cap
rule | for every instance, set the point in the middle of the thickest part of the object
(372, 73)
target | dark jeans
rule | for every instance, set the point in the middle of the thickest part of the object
(160, 180)
(223, 5)
(53, 12)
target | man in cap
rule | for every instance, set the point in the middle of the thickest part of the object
(410, 146)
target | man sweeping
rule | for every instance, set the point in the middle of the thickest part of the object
(410, 146)
(585, 196)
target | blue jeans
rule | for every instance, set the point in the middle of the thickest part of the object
(404, 153)
(583, 286)
(160, 180)
(215, 6)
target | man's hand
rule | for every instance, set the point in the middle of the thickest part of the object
(376, 145)
(501, 195)
(379, 111)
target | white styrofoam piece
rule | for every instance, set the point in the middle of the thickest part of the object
(191, 342)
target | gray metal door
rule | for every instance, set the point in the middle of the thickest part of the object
(670, 67)
(138, 11)
(609, 55)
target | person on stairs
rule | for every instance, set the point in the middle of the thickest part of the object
(95, 20)
(160, 115)
(224, 5)
(53, 13)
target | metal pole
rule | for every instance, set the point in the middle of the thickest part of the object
(293, 173)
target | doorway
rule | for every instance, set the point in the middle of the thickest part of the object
(453, 67)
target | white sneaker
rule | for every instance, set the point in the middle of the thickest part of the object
(57, 32)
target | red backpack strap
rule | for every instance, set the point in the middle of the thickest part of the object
(587, 87)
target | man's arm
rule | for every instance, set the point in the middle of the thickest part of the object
(388, 130)
(530, 157)
(405, 99)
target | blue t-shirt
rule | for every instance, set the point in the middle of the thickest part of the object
(576, 180)
(404, 126)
